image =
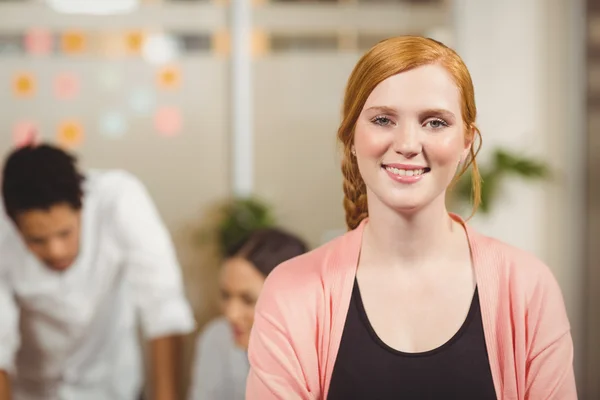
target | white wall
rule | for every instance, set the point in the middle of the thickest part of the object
(524, 59)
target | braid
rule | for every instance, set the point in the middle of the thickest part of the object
(355, 192)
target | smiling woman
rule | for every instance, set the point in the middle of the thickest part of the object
(412, 302)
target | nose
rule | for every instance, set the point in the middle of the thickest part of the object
(407, 141)
(232, 311)
(56, 249)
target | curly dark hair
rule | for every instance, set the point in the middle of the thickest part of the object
(267, 248)
(39, 177)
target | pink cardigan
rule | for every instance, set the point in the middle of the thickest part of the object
(302, 309)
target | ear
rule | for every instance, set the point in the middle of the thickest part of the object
(469, 139)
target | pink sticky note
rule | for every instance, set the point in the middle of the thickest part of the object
(38, 41)
(25, 133)
(66, 86)
(168, 121)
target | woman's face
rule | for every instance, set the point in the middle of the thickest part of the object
(240, 284)
(410, 138)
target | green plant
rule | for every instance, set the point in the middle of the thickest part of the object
(235, 219)
(503, 165)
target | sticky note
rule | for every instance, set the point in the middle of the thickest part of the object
(134, 42)
(113, 125)
(169, 77)
(142, 100)
(73, 42)
(221, 42)
(66, 86)
(111, 44)
(24, 85)
(38, 41)
(168, 121)
(70, 134)
(25, 133)
(109, 79)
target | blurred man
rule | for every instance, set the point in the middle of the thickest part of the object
(82, 260)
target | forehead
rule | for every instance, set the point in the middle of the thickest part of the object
(240, 273)
(43, 222)
(425, 87)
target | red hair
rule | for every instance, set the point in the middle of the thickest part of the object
(385, 59)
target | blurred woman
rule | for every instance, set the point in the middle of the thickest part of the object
(221, 363)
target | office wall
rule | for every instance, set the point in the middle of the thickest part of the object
(592, 253)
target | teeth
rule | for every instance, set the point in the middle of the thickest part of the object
(405, 172)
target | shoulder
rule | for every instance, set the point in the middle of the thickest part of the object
(309, 269)
(302, 282)
(214, 332)
(110, 183)
(113, 190)
(12, 248)
(515, 267)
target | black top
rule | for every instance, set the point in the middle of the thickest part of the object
(368, 369)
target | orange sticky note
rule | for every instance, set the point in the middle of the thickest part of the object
(111, 44)
(25, 133)
(168, 121)
(169, 77)
(73, 42)
(260, 43)
(221, 42)
(134, 41)
(38, 41)
(70, 134)
(66, 86)
(24, 85)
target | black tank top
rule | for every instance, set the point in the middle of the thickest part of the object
(368, 369)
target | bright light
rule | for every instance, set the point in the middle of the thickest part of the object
(94, 7)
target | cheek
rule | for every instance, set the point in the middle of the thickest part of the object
(38, 250)
(369, 141)
(249, 314)
(445, 150)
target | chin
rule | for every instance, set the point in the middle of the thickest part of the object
(242, 344)
(59, 267)
(405, 205)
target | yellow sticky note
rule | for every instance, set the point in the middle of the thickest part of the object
(169, 77)
(73, 42)
(70, 133)
(24, 85)
(134, 41)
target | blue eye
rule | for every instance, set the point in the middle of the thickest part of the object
(382, 121)
(436, 123)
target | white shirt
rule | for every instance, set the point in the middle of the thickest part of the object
(78, 336)
(220, 368)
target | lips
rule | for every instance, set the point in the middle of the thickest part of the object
(405, 173)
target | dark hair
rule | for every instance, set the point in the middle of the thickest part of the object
(39, 177)
(267, 248)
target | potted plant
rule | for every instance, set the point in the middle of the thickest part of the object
(503, 165)
(234, 219)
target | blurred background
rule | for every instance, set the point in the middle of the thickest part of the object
(224, 107)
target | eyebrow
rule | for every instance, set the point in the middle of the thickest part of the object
(382, 109)
(438, 112)
(432, 112)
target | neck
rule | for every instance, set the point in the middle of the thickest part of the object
(408, 238)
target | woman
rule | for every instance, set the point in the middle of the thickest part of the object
(221, 364)
(411, 302)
